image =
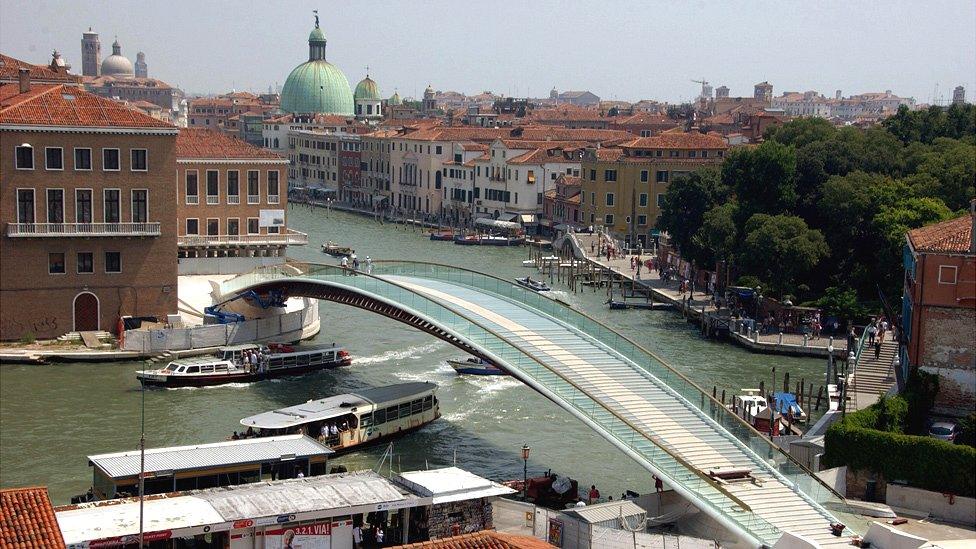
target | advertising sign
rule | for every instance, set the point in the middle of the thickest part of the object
(272, 218)
(556, 532)
(306, 536)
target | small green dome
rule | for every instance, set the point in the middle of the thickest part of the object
(317, 86)
(368, 90)
(316, 35)
(395, 99)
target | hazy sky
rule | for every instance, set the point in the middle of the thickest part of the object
(622, 50)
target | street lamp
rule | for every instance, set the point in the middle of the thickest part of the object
(525, 471)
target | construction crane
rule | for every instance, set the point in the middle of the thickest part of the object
(704, 84)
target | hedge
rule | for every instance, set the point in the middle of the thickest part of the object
(923, 462)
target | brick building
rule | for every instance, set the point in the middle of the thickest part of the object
(88, 208)
(623, 186)
(562, 204)
(939, 310)
(232, 199)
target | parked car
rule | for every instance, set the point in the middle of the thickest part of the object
(944, 430)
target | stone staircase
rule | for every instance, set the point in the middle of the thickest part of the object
(93, 340)
(873, 376)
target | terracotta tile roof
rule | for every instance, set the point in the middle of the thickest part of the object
(64, 105)
(202, 143)
(675, 140)
(952, 236)
(472, 146)
(609, 155)
(569, 180)
(10, 72)
(555, 153)
(486, 539)
(27, 520)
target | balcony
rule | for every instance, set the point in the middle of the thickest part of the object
(288, 238)
(233, 199)
(273, 199)
(192, 199)
(253, 199)
(40, 230)
(213, 199)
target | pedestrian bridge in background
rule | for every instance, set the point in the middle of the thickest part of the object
(625, 393)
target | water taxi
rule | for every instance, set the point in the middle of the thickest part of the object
(534, 285)
(348, 421)
(475, 367)
(336, 250)
(488, 240)
(228, 365)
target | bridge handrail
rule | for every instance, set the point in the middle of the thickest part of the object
(422, 305)
(565, 313)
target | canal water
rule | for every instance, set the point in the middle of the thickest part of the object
(52, 416)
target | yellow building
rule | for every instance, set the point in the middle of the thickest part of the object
(623, 187)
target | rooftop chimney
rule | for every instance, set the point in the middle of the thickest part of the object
(24, 76)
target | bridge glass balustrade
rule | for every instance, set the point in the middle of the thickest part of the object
(642, 447)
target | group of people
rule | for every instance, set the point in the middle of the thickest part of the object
(330, 432)
(367, 264)
(593, 496)
(252, 359)
(244, 434)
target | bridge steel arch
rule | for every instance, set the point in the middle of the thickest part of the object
(625, 393)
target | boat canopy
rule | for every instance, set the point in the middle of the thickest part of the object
(497, 224)
(786, 402)
(164, 461)
(334, 406)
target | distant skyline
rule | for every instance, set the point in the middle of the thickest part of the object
(618, 50)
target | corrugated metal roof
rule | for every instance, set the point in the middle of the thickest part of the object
(334, 406)
(302, 495)
(186, 458)
(603, 512)
(451, 484)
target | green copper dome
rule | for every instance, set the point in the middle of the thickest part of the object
(317, 86)
(395, 99)
(367, 89)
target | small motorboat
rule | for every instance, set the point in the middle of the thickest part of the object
(442, 236)
(335, 250)
(472, 240)
(475, 367)
(534, 285)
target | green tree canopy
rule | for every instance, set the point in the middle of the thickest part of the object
(764, 179)
(685, 203)
(781, 250)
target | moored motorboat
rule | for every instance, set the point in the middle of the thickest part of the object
(347, 421)
(534, 285)
(442, 236)
(234, 365)
(476, 367)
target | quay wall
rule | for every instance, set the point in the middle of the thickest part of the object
(942, 506)
(292, 326)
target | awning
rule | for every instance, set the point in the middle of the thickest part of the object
(527, 219)
(508, 217)
(497, 224)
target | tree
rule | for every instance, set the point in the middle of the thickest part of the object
(947, 172)
(764, 179)
(718, 234)
(802, 131)
(956, 122)
(685, 203)
(841, 303)
(781, 250)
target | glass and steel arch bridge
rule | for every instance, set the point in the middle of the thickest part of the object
(624, 392)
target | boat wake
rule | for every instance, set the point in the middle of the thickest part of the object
(442, 372)
(224, 386)
(487, 386)
(416, 351)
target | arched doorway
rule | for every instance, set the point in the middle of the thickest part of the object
(86, 312)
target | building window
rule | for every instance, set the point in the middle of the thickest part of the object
(608, 220)
(192, 187)
(609, 175)
(660, 200)
(662, 176)
(233, 187)
(642, 220)
(55, 263)
(642, 200)
(273, 196)
(610, 198)
(86, 263)
(113, 207)
(25, 205)
(110, 160)
(24, 155)
(213, 187)
(213, 227)
(83, 159)
(140, 205)
(233, 226)
(948, 274)
(55, 205)
(437, 149)
(192, 226)
(252, 226)
(592, 175)
(644, 176)
(53, 158)
(692, 154)
(273, 230)
(83, 206)
(253, 192)
(140, 160)
(113, 262)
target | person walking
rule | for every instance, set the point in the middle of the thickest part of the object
(344, 263)
(369, 265)
(877, 349)
(872, 331)
(883, 329)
